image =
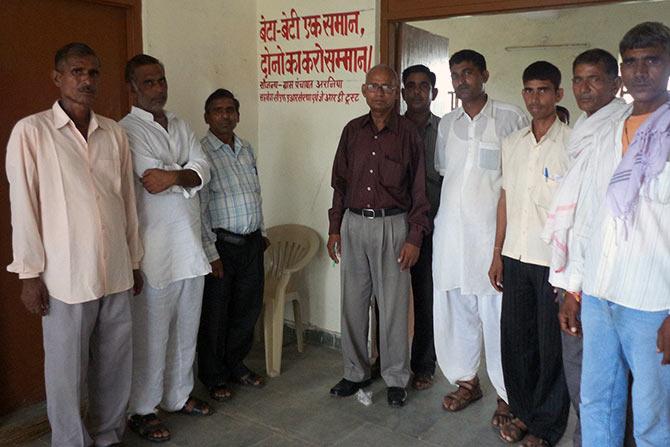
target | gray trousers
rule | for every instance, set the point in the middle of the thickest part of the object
(369, 267)
(88, 347)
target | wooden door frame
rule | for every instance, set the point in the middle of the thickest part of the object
(394, 12)
(133, 28)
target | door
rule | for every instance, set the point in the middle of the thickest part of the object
(31, 31)
(417, 46)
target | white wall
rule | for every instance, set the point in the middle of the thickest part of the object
(204, 45)
(297, 144)
(598, 26)
(207, 44)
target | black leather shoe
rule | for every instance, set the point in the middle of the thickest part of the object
(346, 387)
(396, 396)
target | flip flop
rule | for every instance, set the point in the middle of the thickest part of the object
(251, 379)
(197, 407)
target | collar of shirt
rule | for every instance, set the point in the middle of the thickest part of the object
(147, 116)
(61, 119)
(391, 124)
(552, 134)
(217, 144)
(486, 111)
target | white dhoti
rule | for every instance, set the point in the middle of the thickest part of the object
(165, 330)
(463, 324)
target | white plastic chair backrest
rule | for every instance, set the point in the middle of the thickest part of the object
(292, 247)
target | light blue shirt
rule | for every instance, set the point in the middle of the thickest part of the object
(232, 198)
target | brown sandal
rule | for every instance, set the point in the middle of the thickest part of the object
(502, 415)
(196, 407)
(467, 393)
(513, 431)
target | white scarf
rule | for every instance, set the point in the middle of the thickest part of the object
(561, 217)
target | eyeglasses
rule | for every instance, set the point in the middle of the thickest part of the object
(384, 88)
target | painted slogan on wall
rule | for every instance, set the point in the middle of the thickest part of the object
(304, 57)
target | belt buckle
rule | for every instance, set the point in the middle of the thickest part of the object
(368, 213)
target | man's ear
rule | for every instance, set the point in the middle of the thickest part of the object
(485, 76)
(56, 77)
(559, 94)
(433, 94)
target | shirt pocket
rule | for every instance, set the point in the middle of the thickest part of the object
(489, 156)
(545, 184)
(658, 189)
(392, 173)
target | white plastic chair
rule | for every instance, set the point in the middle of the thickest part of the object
(292, 248)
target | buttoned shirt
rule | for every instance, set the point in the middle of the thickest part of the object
(381, 169)
(628, 269)
(532, 171)
(428, 134)
(232, 199)
(74, 220)
(170, 220)
(468, 156)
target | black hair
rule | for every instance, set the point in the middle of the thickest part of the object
(597, 56)
(222, 93)
(543, 71)
(645, 35)
(419, 68)
(73, 49)
(136, 61)
(468, 56)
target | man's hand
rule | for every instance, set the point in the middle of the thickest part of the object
(409, 254)
(158, 180)
(138, 282)
(266, 243)
(496, 272)
(568, 315)
(35, 296)
(217, 268)
(663, 341)
(334, 247)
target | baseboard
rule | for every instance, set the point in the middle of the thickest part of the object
(314, 336)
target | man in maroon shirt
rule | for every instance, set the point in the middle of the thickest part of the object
(377, 222)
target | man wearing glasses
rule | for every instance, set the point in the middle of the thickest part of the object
(377, 222)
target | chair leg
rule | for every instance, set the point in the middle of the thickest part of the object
(277, 335)
(297, 318)
(267, 332)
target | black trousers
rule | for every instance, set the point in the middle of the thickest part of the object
(531, 350)
(423, 348)
(230, 308)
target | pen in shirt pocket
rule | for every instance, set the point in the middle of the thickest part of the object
(548, 176)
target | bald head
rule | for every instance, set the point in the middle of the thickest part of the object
(384, 70)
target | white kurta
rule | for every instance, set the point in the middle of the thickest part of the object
(466, 308)
(169, 221)
(468, 157)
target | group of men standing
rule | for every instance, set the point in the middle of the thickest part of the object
(101, 211)
(530, 214)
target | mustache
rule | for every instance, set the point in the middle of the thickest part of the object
(88, 89)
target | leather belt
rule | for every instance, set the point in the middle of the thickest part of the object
(372, 213)
(234, 238)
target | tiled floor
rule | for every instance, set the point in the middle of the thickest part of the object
(296, 410)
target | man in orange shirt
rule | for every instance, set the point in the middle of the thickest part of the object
(77, 250)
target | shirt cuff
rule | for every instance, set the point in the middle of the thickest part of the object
(28, 275)
(211, 252)
(415, 236)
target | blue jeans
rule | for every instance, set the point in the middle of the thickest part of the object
(617, 340)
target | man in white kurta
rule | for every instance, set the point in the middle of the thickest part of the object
(171, 167)
(466, 307)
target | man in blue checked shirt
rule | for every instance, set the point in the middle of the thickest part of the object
(232, 226)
